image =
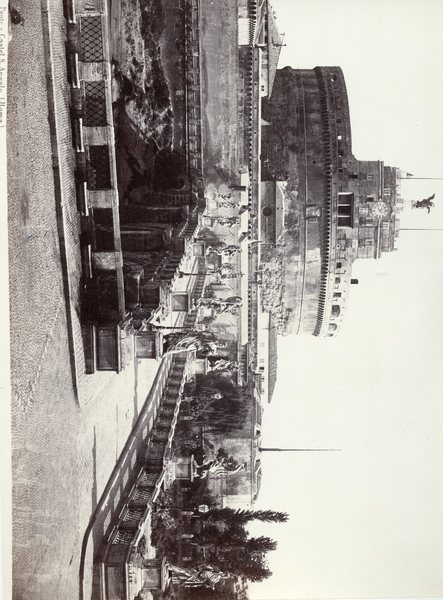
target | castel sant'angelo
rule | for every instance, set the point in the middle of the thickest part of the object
(336, 208)
(204, 203)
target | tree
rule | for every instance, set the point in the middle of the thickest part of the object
(200, 494)
(224, 548)
(218, 403)
(241, 517)
(260, 544)
(236, 561)
(236, 538)
(211, 594)
(230, 549)
(218, 534)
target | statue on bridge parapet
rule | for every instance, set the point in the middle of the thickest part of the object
(226, 271)
(222, 364)
(223, 250)
(220, 305)
(226, 221)
(227, 204)
(204, 342)
(222, 464)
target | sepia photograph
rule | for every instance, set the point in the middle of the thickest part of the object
(222, 268)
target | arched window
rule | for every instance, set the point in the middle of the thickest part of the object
(332, 327)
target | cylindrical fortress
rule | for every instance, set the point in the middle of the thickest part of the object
(307, 143)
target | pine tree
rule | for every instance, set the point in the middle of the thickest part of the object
(260, 544)
(241, 517)
(236, 561)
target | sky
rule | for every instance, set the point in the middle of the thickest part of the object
(366, 522)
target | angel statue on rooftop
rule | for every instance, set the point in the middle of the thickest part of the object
(425, 203)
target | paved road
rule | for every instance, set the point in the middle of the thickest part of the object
(53, 484)
(63, 451)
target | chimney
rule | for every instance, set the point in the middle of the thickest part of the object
(354, 281)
